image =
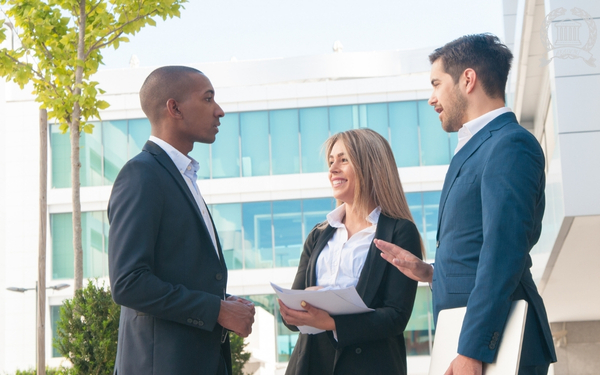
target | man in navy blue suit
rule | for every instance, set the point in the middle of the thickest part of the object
(491, 209)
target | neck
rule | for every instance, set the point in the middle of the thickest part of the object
(183, 147)
(355, 221)
(479, 108)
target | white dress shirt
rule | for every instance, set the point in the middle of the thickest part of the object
(341, 261)
(471, 128)
(188, 167)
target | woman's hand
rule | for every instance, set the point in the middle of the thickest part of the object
(311, 316)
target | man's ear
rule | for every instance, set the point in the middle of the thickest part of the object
(173, 109)
(469, 79)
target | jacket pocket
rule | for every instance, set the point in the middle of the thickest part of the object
(460, 284)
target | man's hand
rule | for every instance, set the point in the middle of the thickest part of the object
(405, 261)
(465, 366)
(312, 317)
(237, 315)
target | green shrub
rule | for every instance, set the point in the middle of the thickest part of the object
(87, 331)
(238, 356)
(49, 371)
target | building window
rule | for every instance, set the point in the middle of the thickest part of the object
(419, 332)
(54, 318)
(94, 232)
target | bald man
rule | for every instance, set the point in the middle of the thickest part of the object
(166, 265)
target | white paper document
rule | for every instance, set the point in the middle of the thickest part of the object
(447, 333)
(334, 301)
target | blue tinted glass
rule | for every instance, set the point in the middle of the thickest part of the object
(415, 204)
(226, 149)
(228, 223)
(114, 138)
(416, 334)
(285, 141)
(435, 146)
(61, 229)
(258, 243)
(314, 132)
(314, 211)
(342, 118)
(61, 157)
(287, 230)
(255, 143)
(139, 132)
(431, 203)
(377, 118)
(90, 155)
(54, 319)
(404, 132)
(201, 153)
(95, 259)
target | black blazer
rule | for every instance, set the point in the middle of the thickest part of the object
(164, 271)
(370, 343)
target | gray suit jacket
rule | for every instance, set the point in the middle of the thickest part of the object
(164, 271)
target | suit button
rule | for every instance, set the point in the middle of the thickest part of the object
(492, 346)
(189, 320)
(496, 335)
(358, 350)
(200, 323)
(437, 244)
(195, 322)
(219, 276)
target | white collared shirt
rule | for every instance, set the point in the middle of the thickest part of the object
(188, 167)
(471, 128)
(341, 261)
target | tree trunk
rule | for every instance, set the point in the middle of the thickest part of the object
(41, 285)
(75, 163)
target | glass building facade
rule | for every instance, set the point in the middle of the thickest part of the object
(264, 234)
(262, 143)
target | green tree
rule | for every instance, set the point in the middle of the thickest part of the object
(239, 357)
(87, 330)
(59, 49)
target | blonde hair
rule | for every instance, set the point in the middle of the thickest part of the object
(377, 178)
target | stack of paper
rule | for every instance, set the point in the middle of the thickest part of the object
(334, 301)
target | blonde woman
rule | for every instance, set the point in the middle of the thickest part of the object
(340, 253)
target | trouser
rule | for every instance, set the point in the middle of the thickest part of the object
(534, 370)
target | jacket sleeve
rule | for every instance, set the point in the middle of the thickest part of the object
(512, 196)
(394, 299)
(135, 213)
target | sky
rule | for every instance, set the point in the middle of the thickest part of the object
(210, 31)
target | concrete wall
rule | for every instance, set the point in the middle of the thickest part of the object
(577, 348)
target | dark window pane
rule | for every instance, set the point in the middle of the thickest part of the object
(114, 134)
(287, 227)
(255, 143)
(61, 157)
(285, 147)
(139, 132)
(415, 204)
(377, 118)
(435, 144)
(314, 132)
(258, 240)
(404, 131)
(416, 334)
(228, 223)
(54, 318)
(226, 149)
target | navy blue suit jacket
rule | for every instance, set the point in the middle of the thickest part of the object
(490, 217)
(164, 271)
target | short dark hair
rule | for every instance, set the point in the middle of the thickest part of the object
(164, 83)
(484, 53)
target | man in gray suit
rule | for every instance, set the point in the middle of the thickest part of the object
(166, 265)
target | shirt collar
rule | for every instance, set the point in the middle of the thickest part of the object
(335, 217)
(180, 160)
(471, 128)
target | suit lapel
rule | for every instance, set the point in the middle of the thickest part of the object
(374, 268)
(465, 153)
(163, 159)
(311, 276)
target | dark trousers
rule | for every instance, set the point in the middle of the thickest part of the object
(534, 370)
